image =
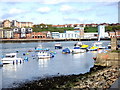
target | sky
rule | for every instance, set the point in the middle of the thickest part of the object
(60, 11)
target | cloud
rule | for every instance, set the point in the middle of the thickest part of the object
(77, 20)
(69, 9)
(16, 11)
(44, 10)
(12, 13)
(66, 8)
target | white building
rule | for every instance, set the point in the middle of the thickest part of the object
(55, 35)
(90, 35)
(101, 31)
(66, 35)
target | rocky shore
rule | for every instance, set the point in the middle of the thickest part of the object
(98, 77)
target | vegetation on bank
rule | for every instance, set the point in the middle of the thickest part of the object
(44, 27)
(112, 28)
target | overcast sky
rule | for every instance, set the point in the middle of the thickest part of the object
(60, 11)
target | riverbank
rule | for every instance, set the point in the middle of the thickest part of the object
(98, 77)
(45, 40)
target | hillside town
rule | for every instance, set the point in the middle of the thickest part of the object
(24, 30)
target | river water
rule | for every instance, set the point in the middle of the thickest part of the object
(64, 64)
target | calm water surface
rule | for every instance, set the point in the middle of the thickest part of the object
(64, 64)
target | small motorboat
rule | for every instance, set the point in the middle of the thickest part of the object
(11, 58)
(99, 45)
(40, 48)
(42, 55)
(93, 48)
(77, 49)
(82, 45)
(78, 44)
(58, 46)
(66, 51)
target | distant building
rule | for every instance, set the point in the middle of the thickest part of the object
(90, 35)
(6, 33)
(81, 29)
(48, 34)
(15, 23)
(6, 23)
(113, 34)
(55, 35)
(69, 35)
(38, 35)
(21, 32)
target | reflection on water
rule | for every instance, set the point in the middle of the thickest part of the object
(43, 62)
(11, 67)
(78, 55)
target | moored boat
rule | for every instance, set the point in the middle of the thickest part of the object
(99, 45)
(58, 46)
(11, 58)
(40, 48)
(77, 49)
(42, 55)
(93, 48)
(66, 51)
(82, 45)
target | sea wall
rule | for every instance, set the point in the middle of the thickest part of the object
(108, 59)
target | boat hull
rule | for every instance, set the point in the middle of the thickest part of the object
(5, 61)
(58, 47)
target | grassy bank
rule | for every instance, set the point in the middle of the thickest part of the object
(98, 77)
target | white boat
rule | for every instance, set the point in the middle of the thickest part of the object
(11, 58)
(58, 46)
(78, 44)
(82, 45)
(77, 49)
(42, 55)
(99, 45)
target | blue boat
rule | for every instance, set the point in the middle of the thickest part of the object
(66, 50)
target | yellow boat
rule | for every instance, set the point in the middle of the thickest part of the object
(93, 48)
(84, 46)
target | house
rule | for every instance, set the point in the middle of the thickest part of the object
(6, 23)
(6, 33)
(22, 32)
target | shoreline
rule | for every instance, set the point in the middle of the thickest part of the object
(98, 77)
(45, 40)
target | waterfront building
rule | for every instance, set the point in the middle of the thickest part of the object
(48, 34)
(81, 31)
(22, 32)
(55, 35)
(38, 35)
(113, 34)
(90, 35)
(101, 31)
(69, 35)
